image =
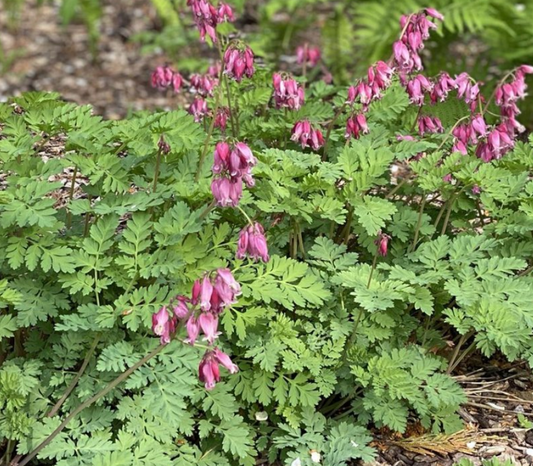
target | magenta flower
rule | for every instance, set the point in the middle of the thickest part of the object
(195, 293)
(415, 31)
(227, 278)
(308, 55)
(434, 14)
(205, 294)
(209, 324)
(428, 124)
(181, 310)
(214, 70)
(447, 178)
(252, 243)
(162, 77)
(382, 242)
(476, 189)
(208, 371)
(221, 157)
(442, 88)
(206, 18)
(198, 109)
(221, 118)
(355, 126)
(203, 84)
(223, 359)
(225, 13)
(417, 87)
(177, 82)
(193, 330)
(287, 92)
(227, 192)
(163, 325)
(304, 133)
(232, 167)
(239, 61)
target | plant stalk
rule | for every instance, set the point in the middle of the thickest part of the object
(86, 404)
(76, 379)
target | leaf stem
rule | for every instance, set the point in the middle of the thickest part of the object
(157, 165)
(88, 403)
(71, 195)
(418, 225)
(76, 379)
(211, 128)
(452, 364)
(448, 212)
(234, 129)
(330, 128)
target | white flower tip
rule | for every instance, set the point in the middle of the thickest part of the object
(296, 462)
(315, 456)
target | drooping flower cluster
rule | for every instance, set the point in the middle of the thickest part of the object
(209, 372)
(207, 17)
(221, 118)
(308, 55)
(232, 166)
(203, 84)
(491, 143)
(304, 133)
(252, 243)
(429, 124)
(198, 109)
(379, 77)
(417, 88)
(287, 92)
(468, 90)
(239, 61)
(416, 29)
(164, 76)
(442, 87)
(209, 297)
(356, 125)
(508, 94)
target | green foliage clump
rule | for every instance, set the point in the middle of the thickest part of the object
(336, 333)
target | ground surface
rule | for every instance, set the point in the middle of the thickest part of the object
(58, 59)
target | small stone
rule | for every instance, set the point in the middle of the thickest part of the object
(261, 416)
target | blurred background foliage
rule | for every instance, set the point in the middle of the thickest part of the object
(483, 37)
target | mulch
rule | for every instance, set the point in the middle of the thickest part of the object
(50, 57)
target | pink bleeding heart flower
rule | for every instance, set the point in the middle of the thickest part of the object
(193, 330)
(181, 310)
(239, 61)
(205, 293)
(287, 92)
(252, 243)
(225, 13)
(198, 109)
(382, 242)
(209, 324)
(308, 55)
(208, 371)
(356, 125)
(223, 359)
(162, 77)
(163, 325)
